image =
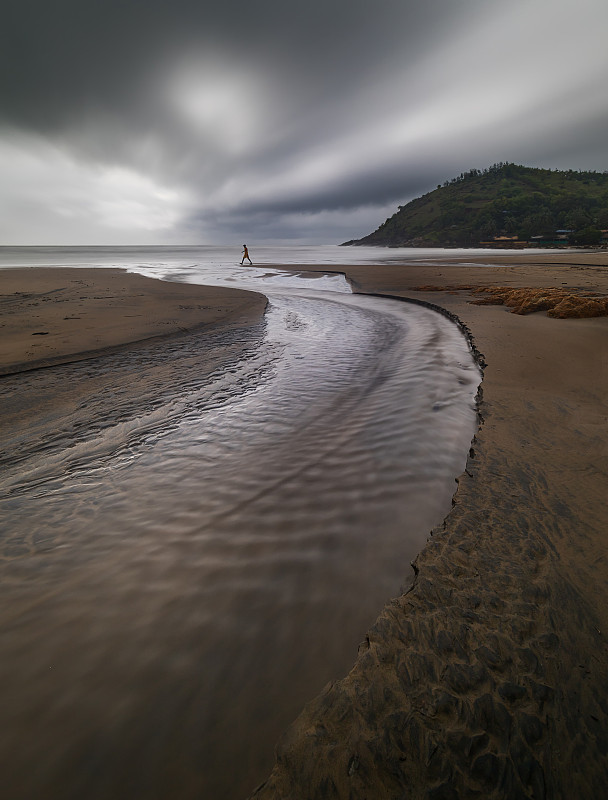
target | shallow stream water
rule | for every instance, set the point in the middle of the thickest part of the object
(197, 534)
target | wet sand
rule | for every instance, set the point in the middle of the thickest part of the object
(52, 316)
(488, 677)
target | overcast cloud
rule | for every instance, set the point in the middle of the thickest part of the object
(190, 121)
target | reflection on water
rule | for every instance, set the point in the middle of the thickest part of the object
(198, 534)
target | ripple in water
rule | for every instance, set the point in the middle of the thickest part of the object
(199, 534)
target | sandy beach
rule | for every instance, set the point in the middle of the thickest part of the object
(487, 679)
(51, 316)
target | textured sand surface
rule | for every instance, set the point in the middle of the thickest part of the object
(488, 678)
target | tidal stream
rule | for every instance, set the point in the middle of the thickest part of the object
(198, 532)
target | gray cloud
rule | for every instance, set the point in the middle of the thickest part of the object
(195, 121)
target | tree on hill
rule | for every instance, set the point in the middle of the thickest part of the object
(587, 236)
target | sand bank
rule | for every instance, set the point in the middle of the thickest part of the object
(488, 678)
(51, 316)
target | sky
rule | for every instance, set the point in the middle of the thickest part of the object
(215, 122)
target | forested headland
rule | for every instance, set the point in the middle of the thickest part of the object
(506, 205)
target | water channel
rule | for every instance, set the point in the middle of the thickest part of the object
(198, 532)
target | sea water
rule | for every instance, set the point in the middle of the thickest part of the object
(218, 256)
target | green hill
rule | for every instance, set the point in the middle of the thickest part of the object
(539, 206)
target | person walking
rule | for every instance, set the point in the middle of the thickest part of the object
(245, 254)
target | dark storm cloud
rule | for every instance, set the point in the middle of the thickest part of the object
(123, 120)
(61, 60)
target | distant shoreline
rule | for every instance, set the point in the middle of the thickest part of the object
(480, 246)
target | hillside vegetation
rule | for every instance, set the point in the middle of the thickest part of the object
(495, 205)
